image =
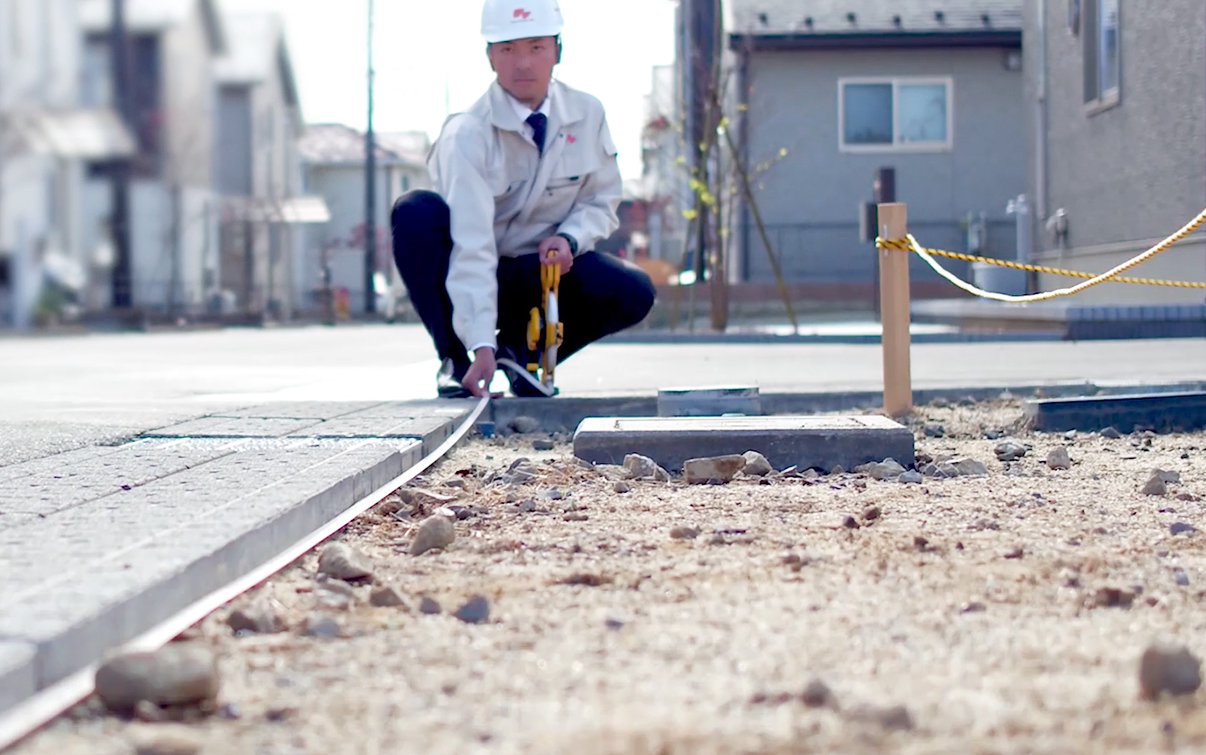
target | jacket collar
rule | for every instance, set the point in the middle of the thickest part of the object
(562, 111)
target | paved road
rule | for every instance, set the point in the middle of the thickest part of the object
(62, 392)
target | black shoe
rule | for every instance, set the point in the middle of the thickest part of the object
(448, 384)
(521, 386)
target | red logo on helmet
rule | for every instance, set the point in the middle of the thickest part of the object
(521, 13)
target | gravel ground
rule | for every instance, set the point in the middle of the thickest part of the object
(1005, 613)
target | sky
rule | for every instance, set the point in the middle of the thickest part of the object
(431, 53)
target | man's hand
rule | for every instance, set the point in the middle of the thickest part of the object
(481, 373)
(564, 256)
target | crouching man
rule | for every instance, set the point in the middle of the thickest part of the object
(526, 177)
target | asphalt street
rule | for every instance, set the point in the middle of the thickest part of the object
(59, 392)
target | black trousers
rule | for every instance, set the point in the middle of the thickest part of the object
(600, 295)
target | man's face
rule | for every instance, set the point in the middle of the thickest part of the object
(525, 67)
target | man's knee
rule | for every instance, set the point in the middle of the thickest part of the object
(641, 296)
(420, 207)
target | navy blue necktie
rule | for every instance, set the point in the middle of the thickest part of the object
(539, 123)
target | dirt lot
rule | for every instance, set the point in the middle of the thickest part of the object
(1004, 613)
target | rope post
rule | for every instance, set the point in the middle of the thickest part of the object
(894, 306)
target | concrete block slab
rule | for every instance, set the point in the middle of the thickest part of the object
(315, 410)
(450, 409)
(143, 562)
(1163, 412)
(708, 402)
(18, 675)
(233, 427)
(806, 442)
(430, 430)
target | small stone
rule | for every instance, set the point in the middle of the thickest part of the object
(620, 487)
(756, 465)
(425, 499)
(871, 513)
(1113, 597)
(969, 468)
(613, 624)
(543, 445)
(1181, 578)
(476, 611)
(455, 482)
(684, 533)
(1070, 435)
(973, 607)
(718, 468)
(935, 431)
(429, 607)
(528, 506)
(1178, 528)
(1010, 450)
(1174, 670)
(437, 533)
(643, 468)
(525, 425)
(1155, 486)
(341, 561)
(174, 741)
(178, 674)
(322, 627)
(1169, 477)
(260, 617)
(1058, 458)
(387, 597)
(1110, 433)
(993, 435)
(818, 695)
(910, 477)
(850, 523)
(837, 470)
(1015, 553)
(888, 469)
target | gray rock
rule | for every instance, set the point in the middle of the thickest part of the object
(543, 445)
(894, 718)
(684, 533)
(178, 674)
(341, 561)
(910, 478)
(475, 611)
(528, 506)
(756, 465)
(837, 470)
(1169, 477)
(643, 468)
(717, 468)
(1178, 528)
(1174, 670)
(322, 627)
(525, 425)
(429, 607)
(424, 498)
(1058, 458)
(871, 513)
(620, 487)
(888, 469)
(436, 533)
(387, 597)
(1070, 435)
(935, 431)
(969, 468)
(260, 617)
(612, 471)
(1010, 450)
(1155, 486)
(1181, 578)
(554, 495)
(818, 695)
(1110, 433)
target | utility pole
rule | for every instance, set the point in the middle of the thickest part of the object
(123, 295)
(370, 187)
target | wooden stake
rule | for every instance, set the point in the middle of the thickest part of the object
(894, 308)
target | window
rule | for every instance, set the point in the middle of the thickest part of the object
(879, 115)
(1103, 70)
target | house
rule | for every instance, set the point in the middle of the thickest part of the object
(173, 220)
(333, 158)
(833, 90)
(46, 143)
(258, 171)
(1117, 160)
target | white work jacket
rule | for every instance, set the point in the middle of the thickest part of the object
(506, 198)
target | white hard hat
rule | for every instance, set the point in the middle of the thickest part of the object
(509, 20)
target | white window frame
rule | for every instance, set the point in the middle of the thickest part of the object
(897, 145)
(1102, 98)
